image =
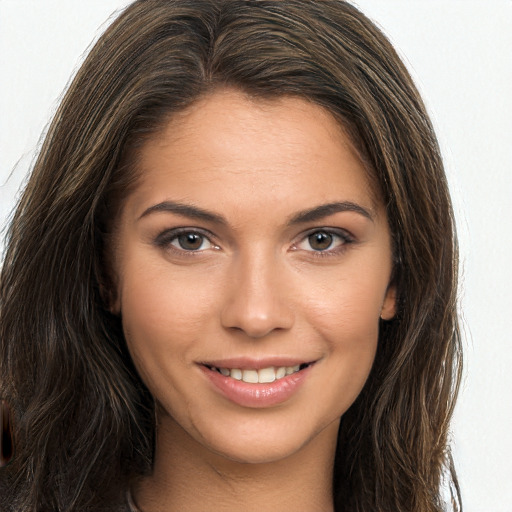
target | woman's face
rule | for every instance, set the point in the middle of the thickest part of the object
(253, 262)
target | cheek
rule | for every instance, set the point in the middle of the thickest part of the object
(165, 315)
(156, 298)
(346, 316)
(348, 308)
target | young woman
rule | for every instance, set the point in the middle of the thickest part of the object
(231, 279)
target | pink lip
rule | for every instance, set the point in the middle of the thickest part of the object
(256, 395)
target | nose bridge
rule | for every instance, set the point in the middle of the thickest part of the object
(258, 302)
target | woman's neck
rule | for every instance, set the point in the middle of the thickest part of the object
(189, 478)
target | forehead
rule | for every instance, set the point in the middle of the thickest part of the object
(262, 150)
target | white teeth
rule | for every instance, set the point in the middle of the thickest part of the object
(280, 372)
(292, 369)
(265, 375)
(236, 373)
(250, 376)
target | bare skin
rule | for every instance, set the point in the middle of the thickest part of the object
(253, 241)
(196, 481)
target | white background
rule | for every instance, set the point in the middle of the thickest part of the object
(460, 53)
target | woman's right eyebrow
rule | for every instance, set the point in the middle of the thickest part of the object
(185, 210)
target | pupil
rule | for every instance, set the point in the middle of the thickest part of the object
(190, 241)
(320, 241)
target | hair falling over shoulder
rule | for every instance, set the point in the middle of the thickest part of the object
(83, 420)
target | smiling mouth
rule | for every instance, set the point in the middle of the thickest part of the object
(262, 376)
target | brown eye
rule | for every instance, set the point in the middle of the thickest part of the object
(320, 240)
(191, 241)
(323, 242)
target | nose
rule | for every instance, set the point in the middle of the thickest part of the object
(258, 301)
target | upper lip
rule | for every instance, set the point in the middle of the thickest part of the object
(246, 363)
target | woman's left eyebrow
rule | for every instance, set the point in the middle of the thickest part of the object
(324, 210)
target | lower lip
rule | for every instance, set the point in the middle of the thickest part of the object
(257, 395)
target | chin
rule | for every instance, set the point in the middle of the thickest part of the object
(264, 452)
(267, 443)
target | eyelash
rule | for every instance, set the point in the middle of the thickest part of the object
(345, 237)
(165, 239)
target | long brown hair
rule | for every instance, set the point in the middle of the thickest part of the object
(84, 422)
